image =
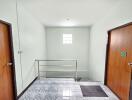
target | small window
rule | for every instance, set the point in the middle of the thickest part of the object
(67, 38)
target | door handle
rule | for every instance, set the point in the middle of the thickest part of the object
(9, 64)
(130, 64)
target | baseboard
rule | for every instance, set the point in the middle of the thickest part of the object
(26, 88)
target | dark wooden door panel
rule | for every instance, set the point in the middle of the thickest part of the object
(118, 73)
(6, 78)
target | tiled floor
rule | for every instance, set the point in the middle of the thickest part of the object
(62, 89)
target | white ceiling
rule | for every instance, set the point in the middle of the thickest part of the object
(79, 12)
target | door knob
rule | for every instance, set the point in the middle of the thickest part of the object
(9, 64)
(130, 64)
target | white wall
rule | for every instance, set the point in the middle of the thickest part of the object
(32, 44)
(78, 50)
(32, 41)
(119, 15)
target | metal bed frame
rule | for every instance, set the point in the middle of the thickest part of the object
(66, 60)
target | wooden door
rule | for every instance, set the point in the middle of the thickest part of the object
(119, 57)
(6, 64)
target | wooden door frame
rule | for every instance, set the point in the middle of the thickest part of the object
(108, 48)
(12, 58)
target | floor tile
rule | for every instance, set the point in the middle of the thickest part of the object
(62, 89)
